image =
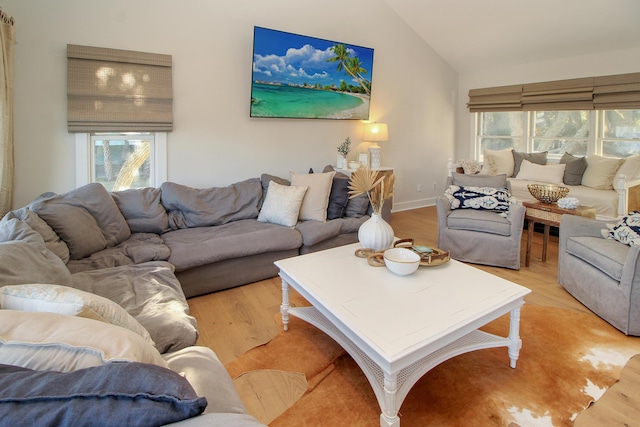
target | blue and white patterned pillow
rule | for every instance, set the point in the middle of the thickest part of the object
(626, 231)
(481, 198)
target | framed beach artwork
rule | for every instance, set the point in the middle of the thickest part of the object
(303, 77)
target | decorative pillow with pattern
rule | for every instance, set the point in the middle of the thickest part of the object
(481, 198)
(626, 231)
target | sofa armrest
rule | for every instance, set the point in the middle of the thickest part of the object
(516, 218)
(208, 377)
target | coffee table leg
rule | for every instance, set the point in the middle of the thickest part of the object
(389, 416)
(284, 307)
(514, 337)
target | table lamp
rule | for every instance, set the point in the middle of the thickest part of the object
(374, 133)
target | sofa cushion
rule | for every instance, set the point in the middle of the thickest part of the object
(151, 294)
(314, 231)
(537, 158)
(139, 248)
(191, 207)
(142, 209)
(552, 174)
(479, 198)
(600, 172)
(40, 297)
(122, 394)
(464, 180)
(316, 199)
(53, 242)
(195, 247)
(25, 257)
(282, 204)
(86, 218)
(574, 168)
(606, 255)
(480, 221)
(52, 341)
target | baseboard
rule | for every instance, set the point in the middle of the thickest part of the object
(414, 204)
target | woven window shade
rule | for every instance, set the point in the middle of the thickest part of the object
(620, 91)
(617, 92)
(573, 94)
(503, 98)
(111, 90)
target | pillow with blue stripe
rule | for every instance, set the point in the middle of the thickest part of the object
(480, 198)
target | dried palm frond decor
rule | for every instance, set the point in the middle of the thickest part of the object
(375, 233)
(378, 189)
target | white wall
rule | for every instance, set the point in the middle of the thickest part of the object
(601, 64)
(214, 142)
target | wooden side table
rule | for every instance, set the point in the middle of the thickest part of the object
(549, 215)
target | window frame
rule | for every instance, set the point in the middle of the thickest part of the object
(595, 141)
(85, 160)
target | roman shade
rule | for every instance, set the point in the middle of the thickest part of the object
(503, 98)
(621, 91)
(111, 90)
(573, 94)
(603, 93)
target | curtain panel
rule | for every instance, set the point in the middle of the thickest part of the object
(620, 91)
(7, 41)
(111, 90)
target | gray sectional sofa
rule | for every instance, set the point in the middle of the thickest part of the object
(89, 279)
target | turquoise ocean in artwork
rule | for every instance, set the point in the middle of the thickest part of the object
(291, 101)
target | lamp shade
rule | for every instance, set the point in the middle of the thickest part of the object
(375, 132)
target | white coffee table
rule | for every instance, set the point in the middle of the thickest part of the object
(397, 328)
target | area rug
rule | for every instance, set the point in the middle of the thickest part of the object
(568, 359)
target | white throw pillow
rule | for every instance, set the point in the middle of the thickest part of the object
(58, 342)
(630, 169)
(600, 172)
(497, 162)
(316, 199)
(552, 174)
(282, 204)
(69, 301)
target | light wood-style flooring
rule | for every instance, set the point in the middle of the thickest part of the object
(236, 320)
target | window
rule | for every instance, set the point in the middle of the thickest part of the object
(610, 133)
(620, 136)
(499, 130)
(560, 131)
(121, 160)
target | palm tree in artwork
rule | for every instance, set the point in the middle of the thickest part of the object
(350, 65)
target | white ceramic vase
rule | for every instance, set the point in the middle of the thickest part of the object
(342, 162)
(376, 233)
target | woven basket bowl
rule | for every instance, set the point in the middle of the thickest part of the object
(547, 193)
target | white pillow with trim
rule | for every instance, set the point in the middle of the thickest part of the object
(59, 342)
(73, 302)
(282, 204)
(316, 200)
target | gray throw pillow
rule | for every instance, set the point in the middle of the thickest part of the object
(107, 395)
(478, 180)
(25, 258)
(189, 207)
(86, 218)
(574, 169)
(338, 198)
(538, 158)
(142, 210)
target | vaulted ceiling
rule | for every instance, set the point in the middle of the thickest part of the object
(472, 34)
